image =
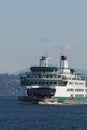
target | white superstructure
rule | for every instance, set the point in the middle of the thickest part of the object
(44, 82)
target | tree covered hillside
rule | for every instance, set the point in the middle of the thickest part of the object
(9, 85)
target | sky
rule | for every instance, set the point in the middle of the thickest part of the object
(30, 28)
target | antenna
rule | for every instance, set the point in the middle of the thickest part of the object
(46, 53)
(60, 60)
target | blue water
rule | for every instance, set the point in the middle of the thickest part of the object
(17, 116)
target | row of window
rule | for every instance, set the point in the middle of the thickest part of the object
(44, 70)
(76, 83)
(79, 95)
(53, 76)
(77, 90)
(61, 83)
(43, 76)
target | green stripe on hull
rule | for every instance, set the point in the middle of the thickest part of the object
(68, 98)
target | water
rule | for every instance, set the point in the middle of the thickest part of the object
(17, 116)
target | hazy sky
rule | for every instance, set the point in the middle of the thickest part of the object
(30, 27)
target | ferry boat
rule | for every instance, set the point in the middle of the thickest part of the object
(52, 84)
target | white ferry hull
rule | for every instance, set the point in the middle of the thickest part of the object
(57, 83)
(61, 94)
